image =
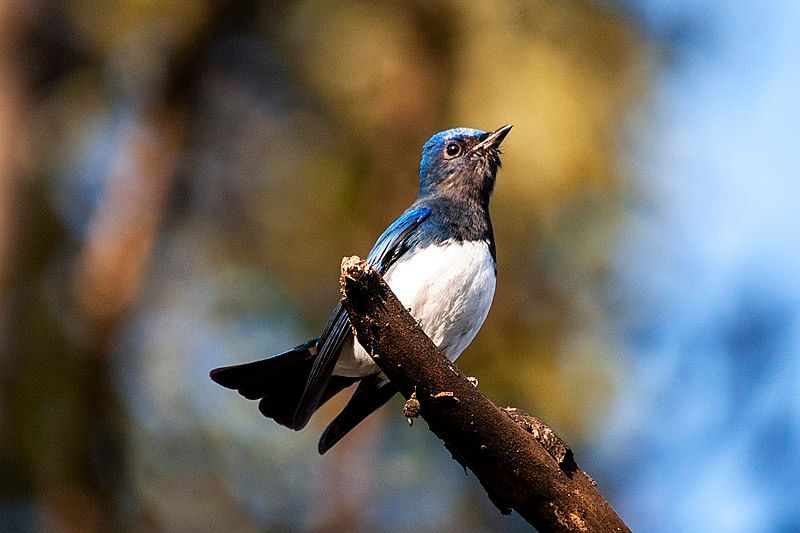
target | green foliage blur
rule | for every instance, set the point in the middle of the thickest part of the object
(180, 181)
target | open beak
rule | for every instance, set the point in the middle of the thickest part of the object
(494, 139)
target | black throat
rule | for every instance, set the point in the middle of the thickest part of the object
(456, 217)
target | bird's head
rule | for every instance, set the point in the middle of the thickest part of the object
(461, 162)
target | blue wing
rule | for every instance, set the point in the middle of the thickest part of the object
(394, 242)
(397, 239)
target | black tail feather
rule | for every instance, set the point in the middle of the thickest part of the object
(254, 380)
(278, 382)
(281, 404)
(372, 392)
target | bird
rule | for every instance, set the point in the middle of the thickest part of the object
(438, 257)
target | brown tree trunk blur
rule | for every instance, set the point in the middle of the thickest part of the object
(12, 144)
(61, 422)
(66, 426)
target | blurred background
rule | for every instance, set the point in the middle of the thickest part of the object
(180, 180)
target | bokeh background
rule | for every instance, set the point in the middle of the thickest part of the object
(179, 181)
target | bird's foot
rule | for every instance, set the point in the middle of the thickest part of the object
(411, 408)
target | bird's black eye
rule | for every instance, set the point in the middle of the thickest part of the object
(453, 149)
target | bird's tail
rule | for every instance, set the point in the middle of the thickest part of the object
(278, 382)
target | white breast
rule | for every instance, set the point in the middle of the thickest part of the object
(449, 289)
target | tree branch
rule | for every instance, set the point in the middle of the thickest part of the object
(522, 463)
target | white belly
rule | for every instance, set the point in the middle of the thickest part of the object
(449, 289)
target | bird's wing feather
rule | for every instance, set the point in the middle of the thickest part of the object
(394, 242)
(330, 344)
(372, 392)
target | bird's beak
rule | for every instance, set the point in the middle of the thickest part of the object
(495, 138)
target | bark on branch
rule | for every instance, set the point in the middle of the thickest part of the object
(522, 463)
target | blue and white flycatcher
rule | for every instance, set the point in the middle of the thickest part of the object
(439, 259)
